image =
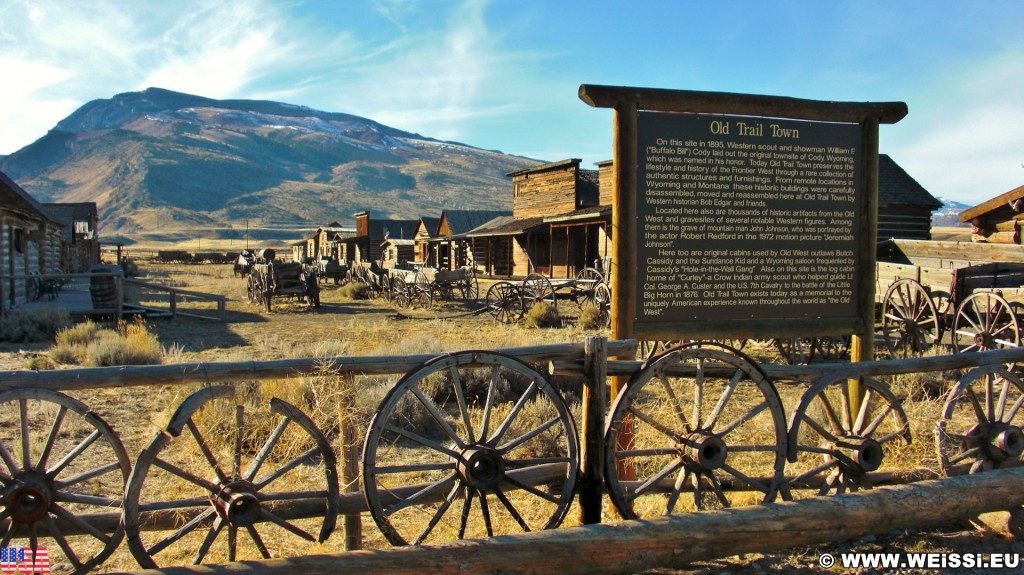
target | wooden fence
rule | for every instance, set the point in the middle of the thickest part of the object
(650, 544)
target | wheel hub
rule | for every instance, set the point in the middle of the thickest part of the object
(1004, 442)
(28, 498)
(866, 454)
(482, 467)
(237, 503)
(708, 451)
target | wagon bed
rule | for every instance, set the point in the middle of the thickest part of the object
(971, 291)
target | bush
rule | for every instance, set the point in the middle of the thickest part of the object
(355, 291)
(38, 326)
(92, 346)
(543, 314)
(592, 318)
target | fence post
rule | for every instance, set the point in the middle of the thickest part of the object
(173, 296)
(350, 453)
(595, 402)
(118, 297)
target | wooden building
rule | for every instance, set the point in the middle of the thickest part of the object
(30, 242)
(558, 225)
(79, 243)
(425, 232)
(397, 253)
(998, 220)
(370, 234)
(448, 251)
(904, 206)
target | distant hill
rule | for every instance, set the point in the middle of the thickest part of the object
(949, 214)
(163, 161)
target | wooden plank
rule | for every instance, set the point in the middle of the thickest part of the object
(595, 402)
(674, 541)
(688, 101)
(138, 375)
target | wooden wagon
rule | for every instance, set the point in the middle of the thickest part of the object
(509, 301)
(278, 279)
(961, 293)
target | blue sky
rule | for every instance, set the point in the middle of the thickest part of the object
(504, 74)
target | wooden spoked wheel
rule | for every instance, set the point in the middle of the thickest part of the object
(250, 288)
(603, 301)
(469, 289)
(226, 481)
(537, 288)
(696, 428)
(63, 470)
(832, 347)
(985, 321)
(837, 440)
(980, 425)
(796, 350)
(468, 445)
(399, 291)
(910, 320)
(504, 302)
(588, 281)
(649, 348)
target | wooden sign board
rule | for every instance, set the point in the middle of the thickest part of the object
(745, 218)
(742, 216)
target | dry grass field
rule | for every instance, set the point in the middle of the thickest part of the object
(343, 326)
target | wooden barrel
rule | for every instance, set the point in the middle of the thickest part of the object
(102, 288)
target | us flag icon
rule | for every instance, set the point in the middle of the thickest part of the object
(22, 560)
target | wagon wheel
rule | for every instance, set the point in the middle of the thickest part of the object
(61, 465)
(832, 347)
(832, 452)
(386, 291)
(910, 320)
(587, 282)
(651, 348)
(985, 321)
(420, 298)
(250, 289)
(718, 433)
(537, 288)
(504, 302)
(603, 301)
(399, 292)
(467, 445)
(469, 289)
(796, 350)
(226, 481)
(980, 425)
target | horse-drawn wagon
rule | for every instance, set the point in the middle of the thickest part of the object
(509, 301)
(269, 278)
(961, 293)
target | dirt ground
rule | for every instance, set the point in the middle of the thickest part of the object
(359, 327)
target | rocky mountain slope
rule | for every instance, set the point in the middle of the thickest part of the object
(163, 160)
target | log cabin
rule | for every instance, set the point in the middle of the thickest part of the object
(79, 242)
(30, 242)
(370, 234)
(998, 220)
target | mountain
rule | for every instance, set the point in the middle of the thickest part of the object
(162, 160)
(949, 214)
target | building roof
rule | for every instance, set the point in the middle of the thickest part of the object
(462, 221)
(432, 225)
(67, 213)
(15, 199)
(546, 167)
(897, 188)
(503, 226)
(394, 242)
(398, 229)
(1008, 204)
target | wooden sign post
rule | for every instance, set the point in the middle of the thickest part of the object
(743, 216)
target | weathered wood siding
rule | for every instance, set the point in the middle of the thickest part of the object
(606, 182)
(906, 222)
(545, 193)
